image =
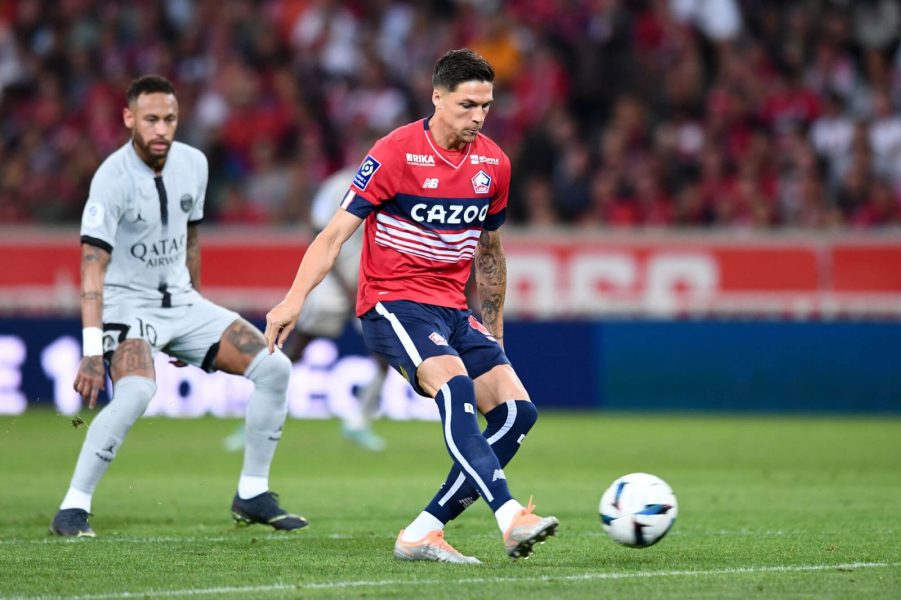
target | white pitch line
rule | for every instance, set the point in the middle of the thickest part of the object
(281, 587)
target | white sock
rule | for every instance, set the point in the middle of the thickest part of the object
(131, 397)
(250, 486)
(76, 499)
(265, 416)
(505, 514)
(421, 526)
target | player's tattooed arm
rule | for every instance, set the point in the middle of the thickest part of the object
(91, 375)
(94, 262)
(491, 280)
(193, 256)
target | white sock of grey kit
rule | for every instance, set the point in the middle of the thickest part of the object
(131, 396)
(265, 417)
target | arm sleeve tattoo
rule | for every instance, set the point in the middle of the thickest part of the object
(491, 280)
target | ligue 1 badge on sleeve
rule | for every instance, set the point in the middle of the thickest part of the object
(187, 201)
(366, 171)
(93, 215)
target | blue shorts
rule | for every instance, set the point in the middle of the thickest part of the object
(405, 333)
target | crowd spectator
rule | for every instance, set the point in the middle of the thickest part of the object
(753, 114)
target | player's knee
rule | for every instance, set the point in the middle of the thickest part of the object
(526, 415)
(270, 371)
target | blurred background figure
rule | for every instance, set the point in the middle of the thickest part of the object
(327, 312)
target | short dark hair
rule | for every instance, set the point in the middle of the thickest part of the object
(458, 66)
(149, 84)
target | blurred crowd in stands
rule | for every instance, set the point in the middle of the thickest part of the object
(616, 113)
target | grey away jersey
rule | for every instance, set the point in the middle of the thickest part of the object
(142, 220)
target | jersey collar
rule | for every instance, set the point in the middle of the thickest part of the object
(428, 137)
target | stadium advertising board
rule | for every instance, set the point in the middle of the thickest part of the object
(621, 364)
(549, 276)
(39, 359)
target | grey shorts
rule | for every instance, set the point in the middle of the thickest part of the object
(190, 333)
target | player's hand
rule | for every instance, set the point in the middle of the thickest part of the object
(280, 323)
(91, 379)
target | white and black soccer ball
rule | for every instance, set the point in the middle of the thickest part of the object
(638, 509)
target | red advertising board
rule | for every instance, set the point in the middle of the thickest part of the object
(555, 275)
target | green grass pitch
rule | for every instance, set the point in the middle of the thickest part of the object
(799, 507)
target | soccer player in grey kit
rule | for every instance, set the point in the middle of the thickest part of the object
(140, 276)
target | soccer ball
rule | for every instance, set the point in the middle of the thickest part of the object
(638, 509)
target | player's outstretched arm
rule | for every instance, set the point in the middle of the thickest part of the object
(491, 280)
(91, 376)
(317, 262)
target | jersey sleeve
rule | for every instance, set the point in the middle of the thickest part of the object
(203, 169)
(100, 218)
(375, 182)
(497, 209)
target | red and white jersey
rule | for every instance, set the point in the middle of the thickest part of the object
(424, 209)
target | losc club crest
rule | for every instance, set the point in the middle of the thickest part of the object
(481, 182)
(187, 201)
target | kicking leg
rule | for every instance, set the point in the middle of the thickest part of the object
(508, 422)
(507, 426)
(454, 392)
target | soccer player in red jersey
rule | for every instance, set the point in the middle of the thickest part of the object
(433, 196)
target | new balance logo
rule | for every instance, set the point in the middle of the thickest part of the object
(430, 183)
(498, 474)
(422, 160)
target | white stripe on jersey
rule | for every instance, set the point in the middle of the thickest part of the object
(426, 242)
(409, 238)
(405, 248)
(448, 238)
